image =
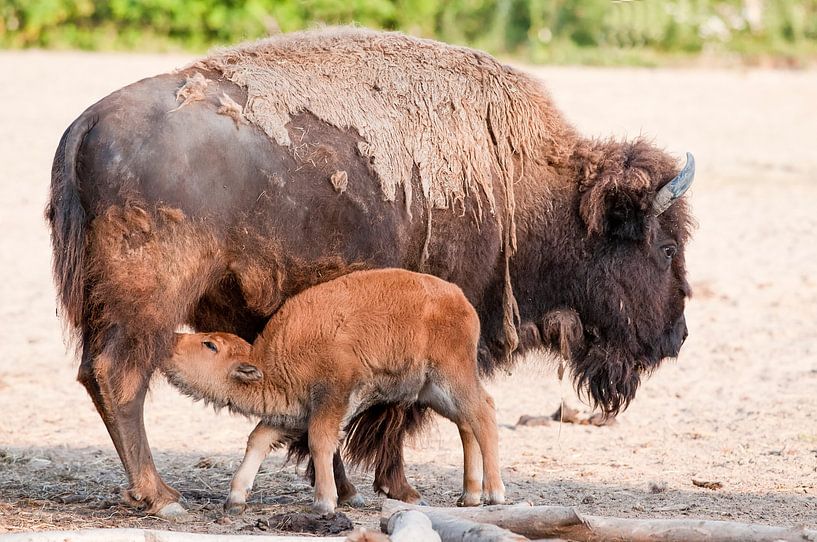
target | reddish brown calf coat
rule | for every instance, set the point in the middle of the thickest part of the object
(336, 349)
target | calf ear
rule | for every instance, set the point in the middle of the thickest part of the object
(617, 208)
(247, 372)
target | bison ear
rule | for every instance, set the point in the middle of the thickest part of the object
(616, 210)
(247, 372)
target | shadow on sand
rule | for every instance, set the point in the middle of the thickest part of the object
(68, 488)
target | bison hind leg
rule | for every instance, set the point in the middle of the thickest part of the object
(374, 440)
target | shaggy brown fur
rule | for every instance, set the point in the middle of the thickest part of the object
(125, 246)
(335, 350)
(457, 114)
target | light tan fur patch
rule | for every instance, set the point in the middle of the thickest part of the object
(193, 90)
(340, 180)
(230, 107)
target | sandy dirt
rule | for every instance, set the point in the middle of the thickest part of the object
(738, 407)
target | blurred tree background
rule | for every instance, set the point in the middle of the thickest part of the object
(554, 31)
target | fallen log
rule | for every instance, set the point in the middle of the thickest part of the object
(565, 522)
(410, 526)
(445, 527)
(149, 535)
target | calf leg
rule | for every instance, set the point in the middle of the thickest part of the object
(482, 419)
(324, 432)
(260, 443)
(465, 402)
(347, 492)
(118, 393)
(472, 467)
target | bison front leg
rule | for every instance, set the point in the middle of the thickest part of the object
(118, 391)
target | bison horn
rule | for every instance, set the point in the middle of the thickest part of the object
(675, 188)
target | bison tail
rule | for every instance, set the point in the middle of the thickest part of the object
(68, 220)
(298, 451)
(374, 439)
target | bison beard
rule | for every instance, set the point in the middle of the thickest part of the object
(166, 212)
(609, 385)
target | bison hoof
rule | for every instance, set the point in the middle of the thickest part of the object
(173, 512)
(355, 501)
(469, 499)
(235, 508)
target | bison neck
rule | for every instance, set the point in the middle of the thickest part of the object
(549, 268)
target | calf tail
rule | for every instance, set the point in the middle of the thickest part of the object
(68, 220)
(298, 451)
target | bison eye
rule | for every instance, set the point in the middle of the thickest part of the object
(211, 345)
(669, 251)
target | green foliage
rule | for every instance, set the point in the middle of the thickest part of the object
(638, 31)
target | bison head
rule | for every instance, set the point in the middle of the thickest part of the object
(625, 279)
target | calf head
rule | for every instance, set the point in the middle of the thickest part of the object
(216, 368)
(627, 283)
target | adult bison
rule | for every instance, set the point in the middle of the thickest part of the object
(208, 196)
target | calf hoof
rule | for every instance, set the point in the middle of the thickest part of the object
(234, 508)
(495, 498)
(469, 499)
(173, 512)
(355, 501)
(323, 507)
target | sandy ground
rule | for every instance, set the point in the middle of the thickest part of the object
(737, 407)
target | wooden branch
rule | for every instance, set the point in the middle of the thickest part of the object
(448, 528)
(409, 526)
(565, 522)
(148, 535)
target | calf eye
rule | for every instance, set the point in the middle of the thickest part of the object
(210, 345)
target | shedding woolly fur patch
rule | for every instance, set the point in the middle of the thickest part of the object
(461, 118)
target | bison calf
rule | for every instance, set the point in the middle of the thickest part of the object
(369, 337)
